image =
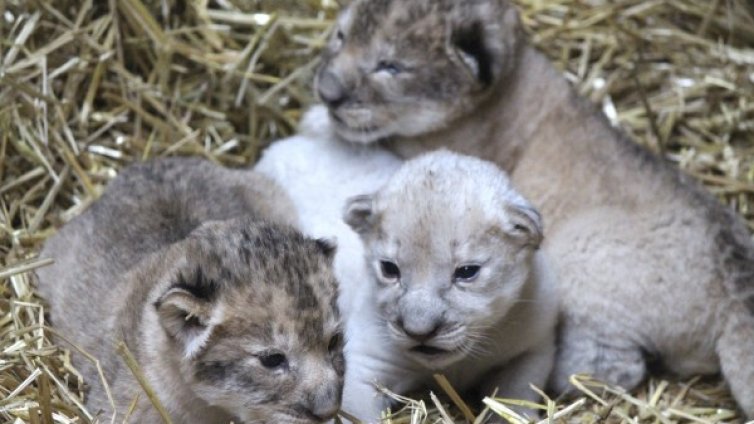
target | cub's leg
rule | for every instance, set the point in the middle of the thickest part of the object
(513, 380)
(631, 283)
(735, 348)
(369, 364)
(361, 399)
(582, 350)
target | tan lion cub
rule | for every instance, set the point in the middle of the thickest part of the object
(230, 318)
(458, 285)
(649, 262)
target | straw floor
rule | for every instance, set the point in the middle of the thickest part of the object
(89, 86)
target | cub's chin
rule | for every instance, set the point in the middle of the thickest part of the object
(288, 416)
(292, 419)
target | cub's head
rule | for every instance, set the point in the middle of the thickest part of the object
(451, 246)
(249, 318)
(409, 67)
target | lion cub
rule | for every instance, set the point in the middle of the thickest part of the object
(230, 317)
(648, 262)
(458, 285)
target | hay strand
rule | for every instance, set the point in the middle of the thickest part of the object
(138, 374)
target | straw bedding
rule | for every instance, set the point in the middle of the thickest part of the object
(87, 87)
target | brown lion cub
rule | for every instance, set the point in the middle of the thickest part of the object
(648, 262)
(230, 317)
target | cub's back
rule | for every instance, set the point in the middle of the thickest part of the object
(149, 206)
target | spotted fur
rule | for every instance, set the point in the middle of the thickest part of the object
(231, 316)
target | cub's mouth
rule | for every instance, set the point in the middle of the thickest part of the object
(362, 128)
(434, 357)
(430, 350)
(366, 133)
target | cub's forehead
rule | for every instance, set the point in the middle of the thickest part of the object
(248, 253)
(369, 18)
(303, 316)
(302, 334)
(292, 284)
(264, 273)
(439, 224)
(447, 183)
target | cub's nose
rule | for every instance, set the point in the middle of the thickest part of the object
(331, 89)
(325, 403)
(324, 414)
(420, 331)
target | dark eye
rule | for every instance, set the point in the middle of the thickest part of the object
(339, 35)
(466, 272)
(273, 360)
(391, 68)
(390, 270)
(335, 342)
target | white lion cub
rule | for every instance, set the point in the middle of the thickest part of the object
(458, 285)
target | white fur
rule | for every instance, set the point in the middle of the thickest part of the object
(320, 172)
(198, 342)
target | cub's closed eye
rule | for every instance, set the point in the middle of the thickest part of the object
(273, 360)
(389, 67)
(390, 271)
(466, 272)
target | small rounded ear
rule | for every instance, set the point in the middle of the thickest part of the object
(485, 35)
(524, 223)
(185, 318)
(469, 44)
(328, 246)
(359, 213)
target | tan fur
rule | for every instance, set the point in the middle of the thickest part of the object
(648, 261)
(177, 261)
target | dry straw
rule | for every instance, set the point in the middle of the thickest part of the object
(89, 86)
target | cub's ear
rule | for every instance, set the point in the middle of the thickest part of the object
(359, 213)
(185, 317)
(524, 223)
(485, 35)
(328, 246)
(470, 45)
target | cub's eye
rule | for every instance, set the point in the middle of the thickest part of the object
(466, 273)
(273, 360)
(338, 41)
(391, 68)
(390, 271)
(335, 342)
